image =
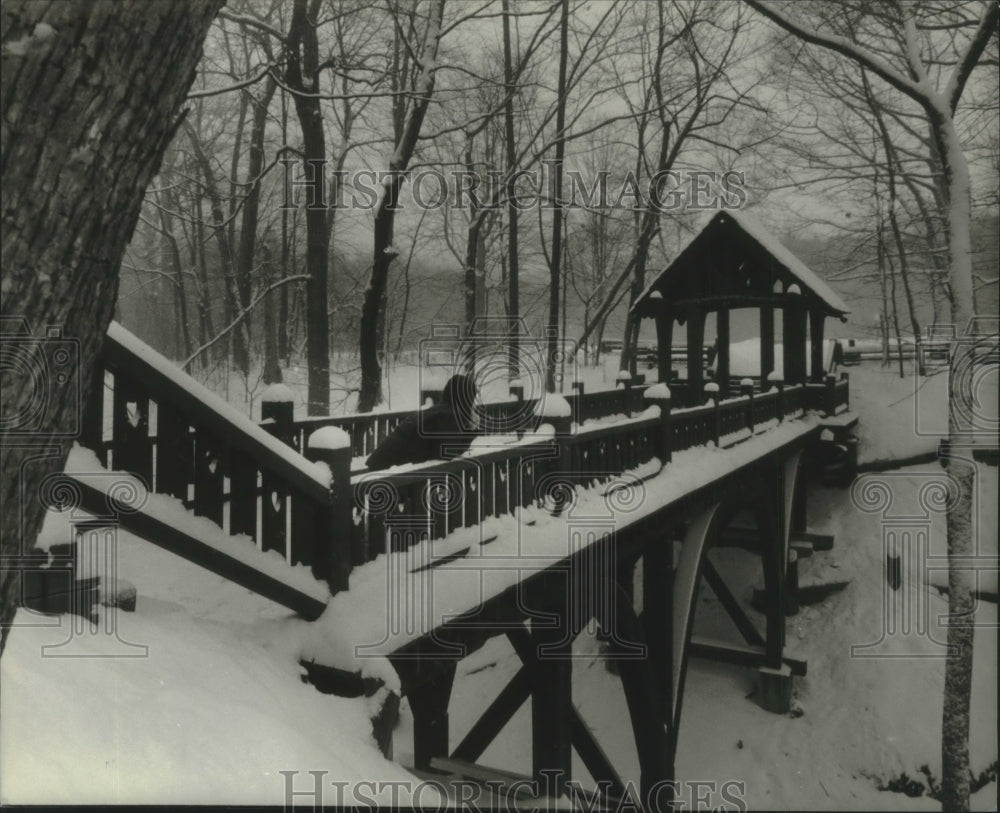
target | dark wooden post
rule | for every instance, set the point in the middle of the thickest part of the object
(657, 618)
(712, 389)
(722, 361)
(766, 342)
(831, 396)
(816, 324)
(746, 389)
(552, 686)
(577, 401)
(624, 380)
(517, 390)
(779, 402)
(334, 528)
(659, 395)
(281, 412)
(664, 342)
(794, 341)
(844, 376)
(695, 352)
(429, 701)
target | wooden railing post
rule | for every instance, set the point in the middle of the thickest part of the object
(276, 404)
(659, 395)
(624, 379)
(830, 405)
(333, 530)
(712, 389)
(517, 390)
(746, 388)
(844, 376)
(778, 383)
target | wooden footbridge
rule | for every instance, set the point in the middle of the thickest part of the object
(532, 538)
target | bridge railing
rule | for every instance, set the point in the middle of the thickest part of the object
(150, 419)
(368, 430)
(394, 510)
(154, 421)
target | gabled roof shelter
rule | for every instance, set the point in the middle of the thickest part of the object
(734, 262)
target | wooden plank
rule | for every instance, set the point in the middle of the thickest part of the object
(272, 512)
(133, 448)
(209, 459)
(242, 494)
(174, 452)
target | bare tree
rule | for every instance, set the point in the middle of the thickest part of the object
(907, 71)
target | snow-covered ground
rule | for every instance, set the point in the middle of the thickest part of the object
(198, 695)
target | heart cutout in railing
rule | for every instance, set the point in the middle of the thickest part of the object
(275, 500)
(132, 413)
(213, 464)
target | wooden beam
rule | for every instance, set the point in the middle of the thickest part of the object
(496, 716)
(766, 344)
(817, 320)
(552, 684)
(695, 354)
(429, 704)
(742, 655)
(664, 343)
(594, 758)
(731, 605)
(722, 342)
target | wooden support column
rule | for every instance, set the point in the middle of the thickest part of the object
(429, 704)
(552, 689)
(657, 619)
(695, 354)
(817, 321)
(664, 340)
(794, 344)
(722, 363)
(766, 344)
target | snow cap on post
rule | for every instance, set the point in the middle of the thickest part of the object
(329, 437)
(277, 393)
(712, 387)
(553, 406)
(623, 375)
(658, 392)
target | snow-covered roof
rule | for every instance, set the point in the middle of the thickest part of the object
(756, 231)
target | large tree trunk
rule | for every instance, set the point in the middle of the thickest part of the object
(385, 218)
(555, 261)
(510, 147)
(958, 666)
(90, 94)
(301, 74)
